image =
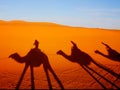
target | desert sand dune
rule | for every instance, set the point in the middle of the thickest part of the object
(52, 37)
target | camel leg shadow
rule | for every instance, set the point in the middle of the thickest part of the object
(102, 77)
(106, 69)
(21, 78)
(84, 67)
(55, 76)
(48, 67)
(48, 78)
(32, 78)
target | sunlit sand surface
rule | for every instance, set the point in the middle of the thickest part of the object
(19, 37)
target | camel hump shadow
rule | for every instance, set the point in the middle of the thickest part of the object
(112, 54)
(36, 57)
(77, 55)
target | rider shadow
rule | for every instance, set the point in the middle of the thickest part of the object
(34, 58)
(84, 60)
(112, 54)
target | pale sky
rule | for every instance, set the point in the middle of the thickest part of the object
(81, 13)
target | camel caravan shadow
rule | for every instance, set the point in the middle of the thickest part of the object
(112, 54)
(34, 58)
(84, 60)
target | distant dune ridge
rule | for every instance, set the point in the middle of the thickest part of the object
(18, 36)
(27, 23)
(41, 23)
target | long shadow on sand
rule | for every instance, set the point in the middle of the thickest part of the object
(112, 54)
(84, 60)
(34, 58)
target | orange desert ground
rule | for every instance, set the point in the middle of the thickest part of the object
(19, 36)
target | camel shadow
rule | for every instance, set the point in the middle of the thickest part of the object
(34, 58)
(84, 60)
(112, 54)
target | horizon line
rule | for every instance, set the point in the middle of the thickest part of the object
(76, 26)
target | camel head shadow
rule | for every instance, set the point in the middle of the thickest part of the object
(14, 55)
(112, 54)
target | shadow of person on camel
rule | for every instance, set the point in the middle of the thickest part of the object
(34, 58)
(112, 54)
(84, 60)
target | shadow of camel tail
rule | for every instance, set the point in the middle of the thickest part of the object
(106, 69)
